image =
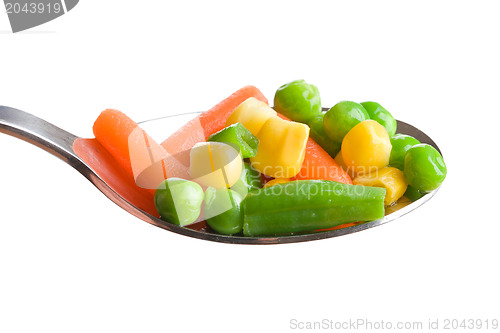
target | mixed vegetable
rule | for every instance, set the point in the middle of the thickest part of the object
(247, 169)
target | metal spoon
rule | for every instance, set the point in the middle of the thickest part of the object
(89, 158)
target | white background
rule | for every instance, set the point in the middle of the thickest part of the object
(72, 261)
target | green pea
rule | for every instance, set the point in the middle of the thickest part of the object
(424, 167)
(378, 113)
(249, 180)
(342, 117)
(400, 145)
(318, 134)
(223, 210)
(298, 100)
(178, 201)
(412, 193)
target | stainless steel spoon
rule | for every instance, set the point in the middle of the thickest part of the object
(89, 158)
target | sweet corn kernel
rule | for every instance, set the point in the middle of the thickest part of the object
(390, 178)
(366, 147)
(252, 114)
(215, 164)
(282, 146)
(401, 203)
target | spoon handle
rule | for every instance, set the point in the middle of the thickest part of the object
(40, 133)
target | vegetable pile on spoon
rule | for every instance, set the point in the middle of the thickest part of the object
(251, 170)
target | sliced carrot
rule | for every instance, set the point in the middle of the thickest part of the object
(342, 226)
(114, 175)
(318, 164)
(209, 122)
(112, 129)
(135, 151)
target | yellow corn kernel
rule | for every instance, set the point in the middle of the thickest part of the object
(401, 203)
(366, 147)
(252, 114)
(215, 164)
(390, 178)
(276, 181)
(282, 147)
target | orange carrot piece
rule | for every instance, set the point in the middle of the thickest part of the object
(318, 164)
(112, 129)
(342, 226)
(209, 122)
(135, 151)
(114, 175)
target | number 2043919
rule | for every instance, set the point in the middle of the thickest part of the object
(33, 8)
(470, 324)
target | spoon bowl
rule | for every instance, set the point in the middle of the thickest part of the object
(89, 157)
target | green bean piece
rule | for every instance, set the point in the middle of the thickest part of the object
(237, 136)
(250, 180)
(308, 205)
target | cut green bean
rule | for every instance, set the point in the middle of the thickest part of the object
(309, 205)
(238, 136)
